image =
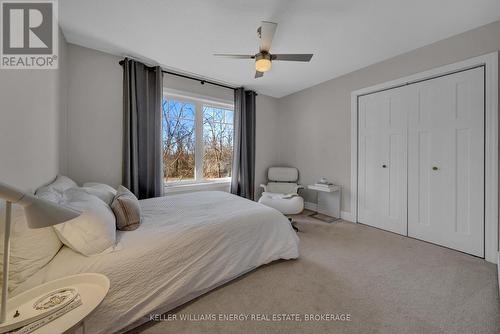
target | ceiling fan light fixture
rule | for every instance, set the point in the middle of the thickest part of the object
(263, 62)
(263, 59)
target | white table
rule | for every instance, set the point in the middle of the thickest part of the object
(92, 289)
(328, 202)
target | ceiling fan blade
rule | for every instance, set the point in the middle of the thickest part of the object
(266, 32)
(228, 55)
(293, 57)
(258, 74)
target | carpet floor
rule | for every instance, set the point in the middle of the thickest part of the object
(386, 283)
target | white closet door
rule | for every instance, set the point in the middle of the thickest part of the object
(382, 168)
(446, 162)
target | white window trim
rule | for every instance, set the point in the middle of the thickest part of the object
(194, 97)
(490, 61)
(222, 184)
(198, 101)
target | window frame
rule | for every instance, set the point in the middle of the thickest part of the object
(199, 101)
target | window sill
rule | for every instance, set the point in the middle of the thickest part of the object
(198, 186)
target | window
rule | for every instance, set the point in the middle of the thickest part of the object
(217, 142)
(178, 140)
(197, 139)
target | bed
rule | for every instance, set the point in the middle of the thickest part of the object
(187, 245)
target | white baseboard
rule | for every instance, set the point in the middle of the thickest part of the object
(345, 215)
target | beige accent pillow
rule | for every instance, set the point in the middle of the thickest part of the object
(127, 210)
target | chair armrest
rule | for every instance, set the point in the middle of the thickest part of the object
(264, 186)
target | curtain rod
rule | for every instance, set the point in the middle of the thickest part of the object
(202, 81)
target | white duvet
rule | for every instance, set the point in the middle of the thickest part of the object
(187, 245)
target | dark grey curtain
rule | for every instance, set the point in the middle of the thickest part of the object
(142, 97)
(243, 172)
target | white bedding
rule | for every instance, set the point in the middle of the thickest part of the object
(187, 245)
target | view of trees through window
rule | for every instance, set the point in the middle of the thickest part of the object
(217, 142)
(180, 142)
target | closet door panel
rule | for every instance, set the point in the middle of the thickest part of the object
(372, 179)
(382, 160)
(446, 162)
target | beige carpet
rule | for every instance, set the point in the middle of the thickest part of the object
(387, 283)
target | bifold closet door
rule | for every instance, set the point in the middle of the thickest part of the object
(446, 162)
(382, 167)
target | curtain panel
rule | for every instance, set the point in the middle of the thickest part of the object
(142, 97)
(243, 171)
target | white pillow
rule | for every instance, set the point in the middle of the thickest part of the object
(101, 190)
(55, 190)
(100, 186)
(30, 249)
(94, 231)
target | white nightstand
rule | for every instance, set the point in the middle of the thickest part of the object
(91, 287)
(328, 202)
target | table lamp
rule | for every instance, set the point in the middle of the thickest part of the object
(39, 213)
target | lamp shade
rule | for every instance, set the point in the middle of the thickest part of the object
(38, 211)
(42, 213)
(263, 65)
(263, 62)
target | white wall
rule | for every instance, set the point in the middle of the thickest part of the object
(62, 91)
(32, 109)
(95, 116)
(195, 87)
(315, 123)
(266, 142)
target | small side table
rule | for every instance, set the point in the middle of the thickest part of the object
(92, 289)
(328, 202)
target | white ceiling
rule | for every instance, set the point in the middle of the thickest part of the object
(344, 35)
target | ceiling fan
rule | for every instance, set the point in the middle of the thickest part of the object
(264, 58)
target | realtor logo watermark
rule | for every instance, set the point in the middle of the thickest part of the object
(29, 34)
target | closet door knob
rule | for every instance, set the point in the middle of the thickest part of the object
(384, 166)
(435, 168)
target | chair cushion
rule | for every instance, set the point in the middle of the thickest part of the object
(281, 187)
(287, 206)
(283, 174)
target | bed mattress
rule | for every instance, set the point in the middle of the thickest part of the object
(187, 245)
